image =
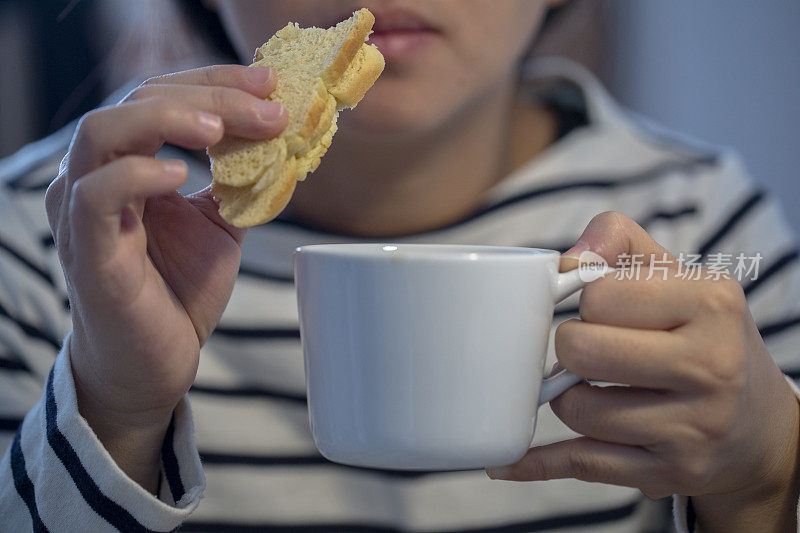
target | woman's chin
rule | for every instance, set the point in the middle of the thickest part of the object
(382, 128)
(385, 116)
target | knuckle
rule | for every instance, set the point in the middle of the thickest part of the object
(142, 92)
(209, 75)
(571, 410)
(615, 229)
(725, 297)
(720, 375)
(81, 196)
(728, 369)
(535, 468)
(162, 105)
(88, 127)
(721, 366)
(613, 220)
(618, 218)
(693, 472)
(219, 98)
(718, 427)
(165, 109)
(702, 428)
(580, 466)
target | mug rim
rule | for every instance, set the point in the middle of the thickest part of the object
(391, 251)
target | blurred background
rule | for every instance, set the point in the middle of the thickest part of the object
(725, 71)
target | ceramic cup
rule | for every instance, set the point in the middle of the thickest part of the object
(428, 356)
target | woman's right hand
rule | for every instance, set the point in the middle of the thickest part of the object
(149, 271)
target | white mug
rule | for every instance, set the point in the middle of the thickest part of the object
(428, 356)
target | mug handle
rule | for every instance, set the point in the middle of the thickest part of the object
(567, 284)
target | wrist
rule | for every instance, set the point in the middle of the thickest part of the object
(769, 502)
(133, 443)
(132, 438)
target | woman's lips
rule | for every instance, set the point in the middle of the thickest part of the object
(399, 33)
(402, 44)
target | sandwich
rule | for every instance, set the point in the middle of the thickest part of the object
(319, 72)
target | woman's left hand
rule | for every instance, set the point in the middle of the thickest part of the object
(705, 413)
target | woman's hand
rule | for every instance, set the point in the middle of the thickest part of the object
(707, 413)
(149, 271)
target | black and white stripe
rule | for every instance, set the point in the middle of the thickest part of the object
(111, 511)
(13, 364)
(7, 250)
(728, 226)
(170, 464)
(30, 330)
(558, 522)
(783, 263)
(249, 406)
(24, 485)
(566, 185)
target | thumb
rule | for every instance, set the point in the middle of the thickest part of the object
(204, 201)
(612, 235)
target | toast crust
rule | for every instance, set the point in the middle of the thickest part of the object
(245, 210)
(254, 180)
(354, 42)
(350, 90)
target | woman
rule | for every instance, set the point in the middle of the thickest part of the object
(449, 146)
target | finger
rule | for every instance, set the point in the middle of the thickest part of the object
(642, 358)
(625, 415)
(259, 81)
(657, 303)
(139, 128)
(205, 202)
(611, 235)
(243, 114)
(99, 200)
(582, 458)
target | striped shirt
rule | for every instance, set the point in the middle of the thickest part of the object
(245, 445)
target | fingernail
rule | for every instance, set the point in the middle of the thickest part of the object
(575, 251)
(175, 168)
(209, 122)
(269, 111)
(498, 472)
(258, 75)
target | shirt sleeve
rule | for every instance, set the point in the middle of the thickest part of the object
(57, 475)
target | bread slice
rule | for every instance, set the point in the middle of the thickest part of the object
(250, 205)
(319, 72)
